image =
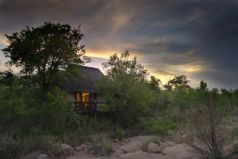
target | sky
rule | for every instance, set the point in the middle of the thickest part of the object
(197, 38)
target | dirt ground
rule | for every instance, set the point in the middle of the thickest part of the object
(137, 148)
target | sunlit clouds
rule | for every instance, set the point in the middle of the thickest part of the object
(169, 37)
(3, 40)
(119, 21)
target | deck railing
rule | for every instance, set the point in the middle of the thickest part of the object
(87, 107)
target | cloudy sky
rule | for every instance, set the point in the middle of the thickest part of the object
(170, 37)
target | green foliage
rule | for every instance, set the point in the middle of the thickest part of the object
(158, 126)
(45, 49)
(162, 128)
(127, 94)
(118, 133)
(58, 112)
(178, 82)
(25, 111)
(9, 148)
(203, 86)
(123, 65)
(130, 103)
(101, 145)
(154, 83)
(37, 118)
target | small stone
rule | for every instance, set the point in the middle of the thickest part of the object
(141, 155)
(167, 144)
(84, 146)
(43, 156)
(154, 148)
(78, 148)
(62, 150)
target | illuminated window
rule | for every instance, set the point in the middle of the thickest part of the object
(85, 98)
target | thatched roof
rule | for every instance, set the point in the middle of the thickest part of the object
(84, 80)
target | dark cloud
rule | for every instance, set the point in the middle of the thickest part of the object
(164, 47)
(175, 34)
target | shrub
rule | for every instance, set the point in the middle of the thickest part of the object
(205, 128)
(101, 145)
(118, 133)
(128, 94)
(10, 148)
(128, 99)
(156, 126)
(57, 113)
(162, 128)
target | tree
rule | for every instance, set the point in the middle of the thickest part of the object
(7, 77)
(45, 49)
(203, 86)
(178, 82)
(125, 89)
(215, 91)
(225, 92)
(168, 87)
(154, 83)
(119, 66)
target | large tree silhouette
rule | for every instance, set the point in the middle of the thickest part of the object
(45, 49)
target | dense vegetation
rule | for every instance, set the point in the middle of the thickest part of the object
(34, 116)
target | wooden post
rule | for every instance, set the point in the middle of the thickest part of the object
(95, 106)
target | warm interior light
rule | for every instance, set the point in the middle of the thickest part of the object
(85, 98)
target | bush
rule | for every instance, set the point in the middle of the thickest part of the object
(157, 126)
(118, 133)
(128, 99)
(126, 90)
(10, 148)
(162, 128)
(58, 114)
(206, 129)
(27, 112)
(101, 145)
(16, 109)
(14, 148)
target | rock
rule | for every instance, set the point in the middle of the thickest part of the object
(78, 148)
(84, 146)
(66, 149)
(43, 156)
(182, 151)
(167, 144)
(140, 155)
(229, 149)
(62, 150)
(233, 156)
(154, 148)
(117, 153)
(132, 146)
(135, 143)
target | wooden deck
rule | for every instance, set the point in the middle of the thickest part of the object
(87, 107)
